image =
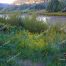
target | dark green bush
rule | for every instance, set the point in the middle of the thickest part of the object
(54, 6)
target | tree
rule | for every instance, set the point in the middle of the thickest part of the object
(54, 6)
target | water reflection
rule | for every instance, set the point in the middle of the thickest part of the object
(53, 19)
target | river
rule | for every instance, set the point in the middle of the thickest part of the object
(47, 19)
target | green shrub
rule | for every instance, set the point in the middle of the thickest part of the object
(33, 25)
(14, 20)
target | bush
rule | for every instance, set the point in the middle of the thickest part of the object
(33, 25)
(14, 20)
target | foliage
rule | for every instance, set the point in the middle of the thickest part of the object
(54, 6)
(14, 20)
(43, 47)
(29, 23)
(33, 25)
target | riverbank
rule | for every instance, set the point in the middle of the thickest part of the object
(43, 12)
(37, 12)
(52, 14)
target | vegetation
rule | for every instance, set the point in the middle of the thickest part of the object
(51, 6)
(34, 25)
(54, 6)
(23, 42)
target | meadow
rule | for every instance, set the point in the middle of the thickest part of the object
(31, 40)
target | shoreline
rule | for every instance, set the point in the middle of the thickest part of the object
(41, 12)
(48, 13)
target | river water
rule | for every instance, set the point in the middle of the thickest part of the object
(46, 19)
(53, 19)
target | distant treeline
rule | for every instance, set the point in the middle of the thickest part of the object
(25, 7)
(53, 4)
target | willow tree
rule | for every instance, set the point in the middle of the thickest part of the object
(54, 6)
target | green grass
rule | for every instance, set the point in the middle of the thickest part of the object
(18, 43)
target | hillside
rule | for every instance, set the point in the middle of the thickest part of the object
(23, 7)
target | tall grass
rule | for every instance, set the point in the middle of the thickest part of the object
(19, 44)
(45, 48)
(33, 25)
(30, 24)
